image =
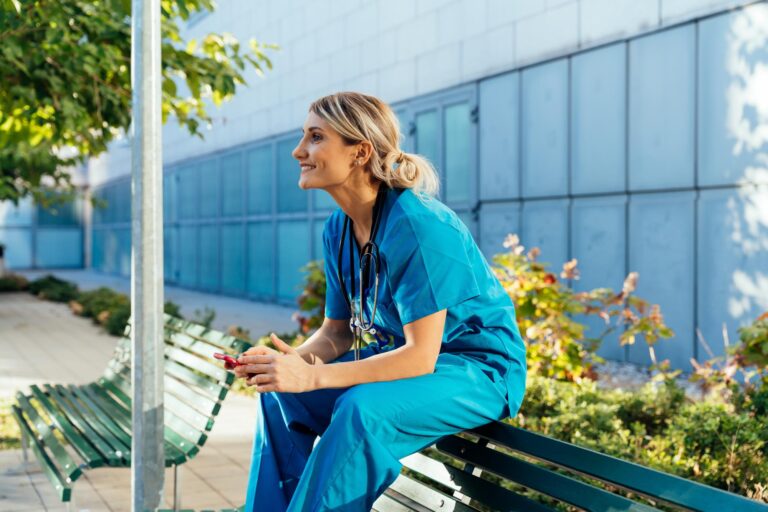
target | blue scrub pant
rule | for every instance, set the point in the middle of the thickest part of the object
(364, 430)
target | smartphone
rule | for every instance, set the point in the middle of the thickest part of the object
(226, 358)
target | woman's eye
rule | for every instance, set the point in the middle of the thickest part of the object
(316, 137)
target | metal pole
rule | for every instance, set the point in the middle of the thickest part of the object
(148, 454)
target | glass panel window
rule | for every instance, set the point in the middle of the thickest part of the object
(259, 168)
(59, 248)
(292, 254)
(188, 256)
(209, 257)
(59, 214)
(545, 129)
(169, 197)
(232, 186)
(233, 259)
(428, 136)
(458, 161)
(188, 184)
(261, 260)
(290, 198)
(13, 215)
(18, 247)
(209, 189)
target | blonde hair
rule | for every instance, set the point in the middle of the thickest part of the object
(358, 117)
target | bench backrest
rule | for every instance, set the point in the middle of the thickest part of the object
(489, 464)
(195, 383)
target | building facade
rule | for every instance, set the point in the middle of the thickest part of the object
(630, 135)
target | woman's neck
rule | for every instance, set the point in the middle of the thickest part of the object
(357, 202)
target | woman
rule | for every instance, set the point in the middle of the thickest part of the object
(448, 355)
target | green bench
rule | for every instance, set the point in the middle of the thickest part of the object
(75, 428)
(483, 468)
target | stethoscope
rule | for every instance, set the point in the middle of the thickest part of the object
(369, 255)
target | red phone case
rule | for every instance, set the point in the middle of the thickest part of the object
(226, 358)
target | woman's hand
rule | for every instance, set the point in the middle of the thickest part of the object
(282, 370)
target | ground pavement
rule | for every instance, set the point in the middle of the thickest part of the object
(44, 342)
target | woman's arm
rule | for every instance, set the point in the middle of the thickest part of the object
(418, 356)
(330, 341)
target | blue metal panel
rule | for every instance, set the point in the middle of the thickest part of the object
(59, 248)
(261, 260)
(733, 262)
(661, 250)
(12, 215)
(189, 197)
(427, 140)
(97, 249)
(122, 201)
(232, 185)
(171, 254)
(110, 251)
(259, 169)
(545, 225)
(60, 214)
(317, 245)
(233, 259)
(499, 137)
(729, 105)
(292, 254)
(598, 120)
(188, 256)
(598, 236)
(458, 153)
(169, 197)
(290, 198)
(661, 109)
(123, 239)
(18, 247)
(209, 256)
(210, 181)
(545, 129)
(497, 220)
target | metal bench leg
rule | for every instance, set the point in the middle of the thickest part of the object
(176, 488)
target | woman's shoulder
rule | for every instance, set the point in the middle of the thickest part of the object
(422, 214)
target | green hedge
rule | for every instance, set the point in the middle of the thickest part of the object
(720, 444)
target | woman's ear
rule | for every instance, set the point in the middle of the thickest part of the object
(364, 151)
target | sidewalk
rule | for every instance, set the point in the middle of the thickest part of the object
(44, 342)
(259, 317)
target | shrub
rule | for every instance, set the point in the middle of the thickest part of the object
(13, 283)
(54, 289)
(172, 309)
(94, 302)
(713, 443)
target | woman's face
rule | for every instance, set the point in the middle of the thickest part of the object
(324, 158)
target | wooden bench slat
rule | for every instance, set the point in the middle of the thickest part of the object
(471, 485)
(175, 448)
(100, 421)
(193, 435)
(655, 484)
(543, 480)
(67, 467)
(215, 390)
(202, 403)
(90, 455)
(232, 344)
(192, 416)
(199, 364)
(426, 496)
(49, 468)
(113, 454)
(389, 503)
(191, 344)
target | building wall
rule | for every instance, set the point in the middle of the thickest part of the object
(628, 135)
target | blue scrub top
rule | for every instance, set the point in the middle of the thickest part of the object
(429, 263)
